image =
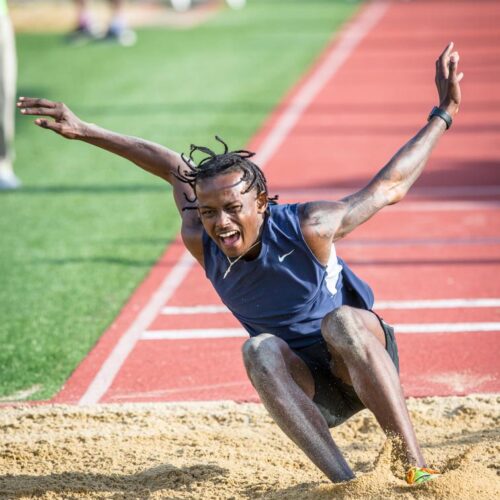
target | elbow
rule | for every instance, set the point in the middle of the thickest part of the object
(396, 194)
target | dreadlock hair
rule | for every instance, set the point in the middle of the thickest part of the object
(226, 162)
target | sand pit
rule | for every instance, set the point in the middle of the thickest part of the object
(228, 450)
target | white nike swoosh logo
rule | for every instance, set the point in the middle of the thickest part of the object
(281, 258)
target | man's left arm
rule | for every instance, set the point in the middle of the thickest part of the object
(332, 221)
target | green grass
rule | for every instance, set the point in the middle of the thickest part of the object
(86, 227)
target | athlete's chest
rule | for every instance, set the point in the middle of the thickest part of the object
(284, 277)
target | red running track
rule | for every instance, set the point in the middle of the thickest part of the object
(433, 260)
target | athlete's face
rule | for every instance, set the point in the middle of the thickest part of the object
(232, 219)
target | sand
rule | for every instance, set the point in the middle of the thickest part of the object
(231, 451)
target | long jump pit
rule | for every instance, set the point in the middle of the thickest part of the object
(226, 450)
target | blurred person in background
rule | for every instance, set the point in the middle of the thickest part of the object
(86, 29)
(118, 30)
(185, 5)
(8, 73)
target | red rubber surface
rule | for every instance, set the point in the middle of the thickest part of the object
(442, 243)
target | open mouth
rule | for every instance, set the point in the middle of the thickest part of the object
(229, 238)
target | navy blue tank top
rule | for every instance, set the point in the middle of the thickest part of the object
(285, 291)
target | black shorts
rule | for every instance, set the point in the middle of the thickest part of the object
(336, 400)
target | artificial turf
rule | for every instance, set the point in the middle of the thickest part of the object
(86, 227)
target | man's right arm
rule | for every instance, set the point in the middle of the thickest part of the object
(154, 158)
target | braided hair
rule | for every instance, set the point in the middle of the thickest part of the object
(215, 164)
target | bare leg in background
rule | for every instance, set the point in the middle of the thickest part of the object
(8, 77)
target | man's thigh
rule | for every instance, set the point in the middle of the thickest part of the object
(336, 400)
(334, 395)
(300, 372)
(366, 323)
(267, 349)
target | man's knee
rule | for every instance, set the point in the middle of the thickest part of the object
(344, 331)
(263, 358)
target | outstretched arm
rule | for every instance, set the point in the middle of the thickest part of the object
(330, 221)
(153, 158)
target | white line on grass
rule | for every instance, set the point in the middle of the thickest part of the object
(214, 333)
(383, 304)
(347, 42)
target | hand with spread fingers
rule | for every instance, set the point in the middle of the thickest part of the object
(448, 80)
(64, 122)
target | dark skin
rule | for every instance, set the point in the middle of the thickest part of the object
(234, 219)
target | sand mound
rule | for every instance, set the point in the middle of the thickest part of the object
(228, 450)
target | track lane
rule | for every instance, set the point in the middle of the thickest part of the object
(440, 243)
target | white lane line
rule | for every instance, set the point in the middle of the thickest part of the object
(407, 206)
(107, 373)
(447, 328)
(207, 309)
(436, 304)
(451, 191)
(206, 333)
(348, 41)
(166, 392)
(423, 194)
(418, 242)
(445, 206)
(220, 333)
(383, 304)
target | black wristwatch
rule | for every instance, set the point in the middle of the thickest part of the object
(442, 114)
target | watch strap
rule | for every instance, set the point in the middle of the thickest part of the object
(442, 114)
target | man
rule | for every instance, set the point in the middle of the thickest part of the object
(8, 70)
(317, 353)
(117, 30)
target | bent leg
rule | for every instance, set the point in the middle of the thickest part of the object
(286, 387)
(357, 343)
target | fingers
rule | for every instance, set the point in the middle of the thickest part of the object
(447, 63)
(53, 112)
(41, 107)
(447, 50)
(37, 106)
(35, 102)
(443, 60)
(453, 64)
(49, 124)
